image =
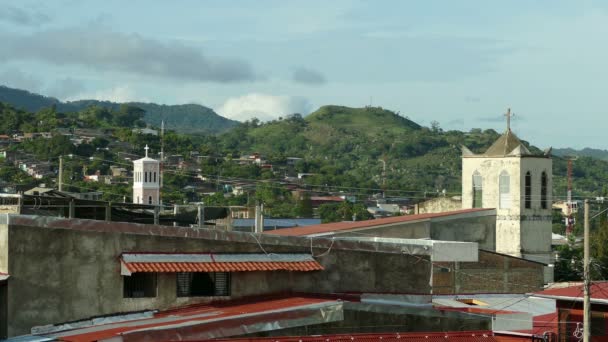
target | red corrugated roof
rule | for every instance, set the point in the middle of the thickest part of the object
(197, 318)
(599, 290)
(170, 267)
(404, 336)
(170, 263)
(339, 226)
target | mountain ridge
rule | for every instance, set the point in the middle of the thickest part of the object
(183, 118)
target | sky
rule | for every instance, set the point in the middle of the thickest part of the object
(460, 63)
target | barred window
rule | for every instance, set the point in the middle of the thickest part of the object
(201, 284)
(139, 285)
(543, 190)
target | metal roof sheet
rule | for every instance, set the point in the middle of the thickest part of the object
(403, 336)
(216, 320)
(159, 263)
(349, 225)
(598, 292)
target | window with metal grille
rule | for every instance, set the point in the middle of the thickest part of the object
(200, 284)
(528, 191)
(139, 285)
(505, 190)
(477, 190)
(543, 190)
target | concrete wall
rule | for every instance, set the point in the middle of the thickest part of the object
(60, 275)
(480, 229)
(438, 205)
(3, 310)
(494, 273)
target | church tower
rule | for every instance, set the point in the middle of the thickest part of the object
(146, 180)
(519, 185)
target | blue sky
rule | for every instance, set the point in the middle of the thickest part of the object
(461, 63)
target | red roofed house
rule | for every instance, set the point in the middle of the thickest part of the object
(569, 303)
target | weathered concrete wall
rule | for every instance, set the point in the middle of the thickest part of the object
(494, 273)
(405, 230)
(480, 229)
(438, 205)
(3, 310)
(59, 275)
(4, 248)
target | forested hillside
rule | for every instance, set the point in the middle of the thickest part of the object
(187, 118)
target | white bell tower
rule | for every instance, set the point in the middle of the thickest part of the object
(146, 180)
(518, 183)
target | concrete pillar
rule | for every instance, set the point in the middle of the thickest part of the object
(156, 215)
(201, 215)
(72, 209)
(109, 211)
(19, 203)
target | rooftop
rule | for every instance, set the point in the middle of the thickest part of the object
(328, 228)
(599, 293)
(202, 322)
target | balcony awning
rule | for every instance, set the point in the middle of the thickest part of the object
(172, 263)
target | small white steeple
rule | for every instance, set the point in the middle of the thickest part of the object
(146, 180)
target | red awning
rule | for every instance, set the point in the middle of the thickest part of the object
(170, 263)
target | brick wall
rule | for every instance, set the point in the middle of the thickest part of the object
(494, 273)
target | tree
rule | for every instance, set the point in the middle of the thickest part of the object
(128, 116)
(304, 206)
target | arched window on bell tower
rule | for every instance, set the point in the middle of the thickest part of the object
(543, 190)
(477, 190)
(504, 186)
(528, 191)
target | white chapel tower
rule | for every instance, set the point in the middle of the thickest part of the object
(146, 180)
(519, 185)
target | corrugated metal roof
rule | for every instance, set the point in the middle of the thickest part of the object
(341, 226)
(214, 320)
(404, 336)
(598, 291)
(150, 262)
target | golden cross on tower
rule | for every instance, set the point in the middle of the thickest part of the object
(508, 114)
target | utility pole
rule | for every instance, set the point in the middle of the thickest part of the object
(569, 219)
(60, 185)
(586, 278)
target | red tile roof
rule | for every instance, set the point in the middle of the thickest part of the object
(200, 320)
(385, 337)
(348, 225)
(599, 291)
(169, 263)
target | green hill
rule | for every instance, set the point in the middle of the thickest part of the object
(187, 118)
(343, 147)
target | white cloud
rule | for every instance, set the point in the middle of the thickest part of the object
(262, 106)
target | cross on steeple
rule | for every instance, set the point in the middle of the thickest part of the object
(146, 148)
(508, 114)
